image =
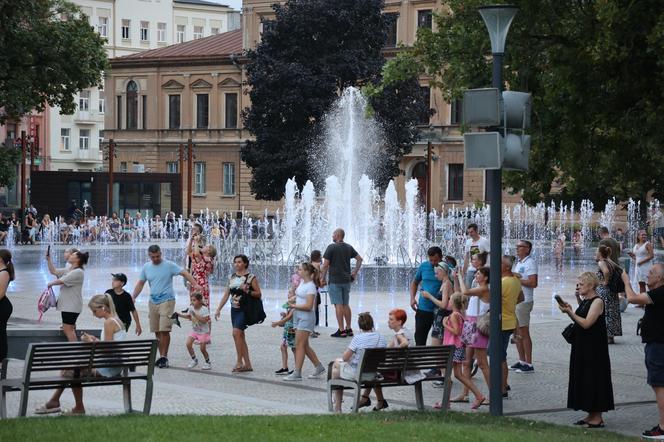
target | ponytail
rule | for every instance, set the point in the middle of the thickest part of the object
(313, 271)
(6, 256)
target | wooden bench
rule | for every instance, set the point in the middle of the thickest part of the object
(388, 367)
(83, 358)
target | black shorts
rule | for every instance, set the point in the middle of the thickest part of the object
(69, 318)
(655, 364)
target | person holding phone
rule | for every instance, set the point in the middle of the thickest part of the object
(70, 299)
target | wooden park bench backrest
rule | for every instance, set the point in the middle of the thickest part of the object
(425, 358)
(383, 359)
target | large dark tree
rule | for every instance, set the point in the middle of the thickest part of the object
(314, 49)
(595, 69)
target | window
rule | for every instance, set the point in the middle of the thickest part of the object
(102, 102)
(132, 105)
(425, 92)
(231, 111)
(180, 33)
(161, 32)
(455, 182)
(214, 31)
(126, 29)
(84, 100)
(172, 167)
(173, 111)
(101, 140)
(198, 32)
(118, 109)
(391, 18)
(199, 178)
(424, 18)
(455, 111)
(269, 26)
(84, 139)
(102, 26)
(64, 138)
(202, 114)
(144, 115)
(123, 167)
(229, 179)
(145, 31)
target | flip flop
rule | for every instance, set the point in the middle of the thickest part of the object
(43, 409)
(477, 404)
(237, 369)
(580, 422)
(71, 412)
(458, 400)
(245, 370)
(600, 425)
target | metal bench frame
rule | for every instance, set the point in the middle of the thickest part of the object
(83, 358)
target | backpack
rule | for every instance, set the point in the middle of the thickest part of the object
(46, 301)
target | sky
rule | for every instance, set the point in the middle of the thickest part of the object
(235, 4)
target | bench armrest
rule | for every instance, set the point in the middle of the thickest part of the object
(5, 364)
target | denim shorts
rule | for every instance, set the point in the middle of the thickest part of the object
(339, 293)
(237, 318)
(304, 321)
(655, 364)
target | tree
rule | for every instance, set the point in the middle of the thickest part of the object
(49, 53)
(595, 71)
(9, 159)
(315, 49)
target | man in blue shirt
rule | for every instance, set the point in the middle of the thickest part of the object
(426, 277)
(159, 273)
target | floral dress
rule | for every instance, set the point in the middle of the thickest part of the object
(201, 268)
(611, 307)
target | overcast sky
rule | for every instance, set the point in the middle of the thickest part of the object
(235, 4)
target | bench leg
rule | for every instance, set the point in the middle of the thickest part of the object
(23, 405)
(148, 397)
(356, 399)
(3, 403)
(330, 405)
(447, 390)
(419, 399)
(126, 396)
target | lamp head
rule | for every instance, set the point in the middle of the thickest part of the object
(498, 19)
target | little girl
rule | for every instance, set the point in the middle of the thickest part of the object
(453, 325)
(288, 340)
(199, 315)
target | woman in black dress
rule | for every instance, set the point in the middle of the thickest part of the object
(6, 276)
(590, 386)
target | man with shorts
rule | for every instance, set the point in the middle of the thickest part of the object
(474, 244)
(511, 295)
(525, 268)
(337, 258)
(652, 334)
(424, 309)
(159, 273)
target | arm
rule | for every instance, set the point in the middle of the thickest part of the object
(255, 289)
(138, 289)
(186, 275)
(530, 281)
(109, 326)
(651, 255)
(51, 267)
(358, 264)
(605, 272)
(137, 320)
(521, 298)
(413, 293)
(596, 309)
(632, 297)
(287, 317)
(451, 324)
(347, 355)
(222, 303)
(403, 342)
(466, 262)
(311, 298)
(4, 283)
(323, 271)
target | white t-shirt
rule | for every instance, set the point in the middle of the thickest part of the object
(406, 334)
(199, 327)
(526, 268)
(362, 341)
(475, 247)
(304, 290)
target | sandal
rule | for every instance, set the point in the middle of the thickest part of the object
(580, 422)
(237, 369)
(384, 405)
(460, 399)
(478, 403)
(245, 369)
(365, 404)
(43, 409)
(600, 425)
(72, 412)
(439, 406)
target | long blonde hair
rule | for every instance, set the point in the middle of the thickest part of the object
(103, 301)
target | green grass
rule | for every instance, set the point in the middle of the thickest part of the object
(394, 426)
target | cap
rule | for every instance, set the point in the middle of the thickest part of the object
(120, 277)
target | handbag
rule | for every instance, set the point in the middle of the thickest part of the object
(484, 323)
(569, 332)
(254, 312)
(46, 301)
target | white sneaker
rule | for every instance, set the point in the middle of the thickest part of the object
(193, 363)
(206, 366)
(317, 373)
(293, 377)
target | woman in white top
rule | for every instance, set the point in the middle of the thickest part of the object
(70, 299)
(643, 253)
(304, 321)
(102, 307)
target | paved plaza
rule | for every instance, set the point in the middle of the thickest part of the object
(540, 395)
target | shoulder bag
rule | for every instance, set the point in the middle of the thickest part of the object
(252, 307)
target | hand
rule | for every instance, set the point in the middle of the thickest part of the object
(49, 285)
(275, 324)
(139, 330)
(426, 295)
(217, 314)
(353, 275)
(518, 275)
(413, 304)
(197, 288)
(566, 309)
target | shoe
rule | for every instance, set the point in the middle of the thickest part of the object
(45, 410)
(315, 334)
(384, 405)
(516, 366)
(176, 319)
(206, 366)
(162, 363)
(656, 433)
(159, 361)
(506, 395)
(438, 384)
(293, 377)
(338, 334)
(192, 364)
(349, 332)
(282, 371)
(434, 372)
(317, 372)
(525, 369)
(366, 404)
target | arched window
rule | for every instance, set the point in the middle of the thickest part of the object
(132, 105)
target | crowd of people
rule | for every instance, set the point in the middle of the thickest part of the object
(451, 305)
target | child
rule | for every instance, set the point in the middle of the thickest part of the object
(453, 325)
(316, 261)
(288, 340)
(123, 302)
(199, 315)
(215, 233)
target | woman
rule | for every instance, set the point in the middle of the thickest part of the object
(15, 225)
(478, 305)
(442, 309)
(643, 253)
(590, 387)
(241, 283)
(304, 321)
(70, 299)
(605, 273)
(346, 367)
(47, 229)
(30, 228)
(102, 307)
(6, 308)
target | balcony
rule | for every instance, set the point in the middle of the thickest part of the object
(88, 117)
(91, 156)
(178, 135)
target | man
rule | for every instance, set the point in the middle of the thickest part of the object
(474, 245)
(611, 243)
(511, 295)
(159, 273)
(652, 334)
(337, 258)
(424, 308)
(525, 268)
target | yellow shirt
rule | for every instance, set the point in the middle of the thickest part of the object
(511, 287)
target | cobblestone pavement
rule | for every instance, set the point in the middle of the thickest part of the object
(540, 395)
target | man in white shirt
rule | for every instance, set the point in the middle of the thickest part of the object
(474, 244)
(525, 267)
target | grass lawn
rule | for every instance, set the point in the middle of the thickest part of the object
(391, 426)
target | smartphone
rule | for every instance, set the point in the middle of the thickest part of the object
(48, 251)
(560, 301)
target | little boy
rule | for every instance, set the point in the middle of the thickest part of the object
(199, 315)
(124, 304)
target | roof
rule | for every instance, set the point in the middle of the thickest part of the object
(220, 45)
(200, 2)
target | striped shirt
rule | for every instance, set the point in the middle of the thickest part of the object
(371, 339)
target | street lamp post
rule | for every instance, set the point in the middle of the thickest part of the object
(497, 19)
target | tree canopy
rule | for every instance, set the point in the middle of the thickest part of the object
(310, 53)
(49, 53)
(595, 71)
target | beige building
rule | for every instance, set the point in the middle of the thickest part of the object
(163, 97)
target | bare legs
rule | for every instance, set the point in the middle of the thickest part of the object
(659, 395)
(163, 342)
(343, 312)
(302, 349)
(190, 348)
(482, 362)
(241, 349)
(524, 345)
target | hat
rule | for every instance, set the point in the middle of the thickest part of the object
(120, 277)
